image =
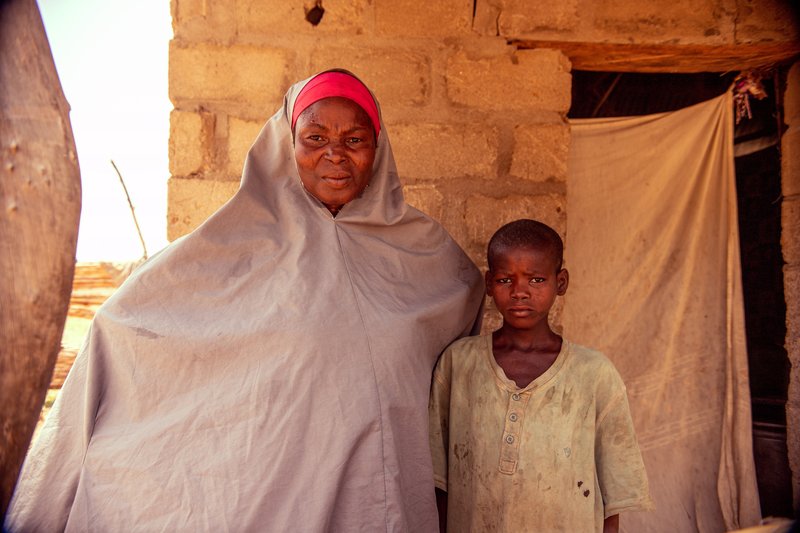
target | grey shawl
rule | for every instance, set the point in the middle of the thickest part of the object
(270, 371)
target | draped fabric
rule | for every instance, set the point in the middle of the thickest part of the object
(653, 252)
(268, 372)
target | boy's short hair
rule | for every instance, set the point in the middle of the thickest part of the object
(526, 233)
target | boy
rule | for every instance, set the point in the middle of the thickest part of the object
(530, 432)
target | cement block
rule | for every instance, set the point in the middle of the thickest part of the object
(451, 211)
(519, 18)
(791, 289)
(241, 135)
(186, 143)
(766, 20)
(426, 198)
(790, 161)
(492, 319)
(484, 215)
(530, 80)
(397, 77)
(346, 17)
(201, 20)
(540, 152)
(445, 150)
(790, 230)
(408, 18)
(191, 201)
(442, 204)
(487, 13)
(680, 21)
(793, 443)
(791, 99)
(243, 74)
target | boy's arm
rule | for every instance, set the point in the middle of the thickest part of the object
(441, 505)
(439, 420)
(438, 429)
(620, 468)
(610, 524)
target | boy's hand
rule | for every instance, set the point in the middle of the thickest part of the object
(441, 505)
(611, 524)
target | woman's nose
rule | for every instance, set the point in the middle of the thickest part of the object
(335, 151)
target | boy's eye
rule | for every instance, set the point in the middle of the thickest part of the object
(503, 280)
(537, 280)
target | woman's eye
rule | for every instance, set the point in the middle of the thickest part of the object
(315, 138)
(354, 140)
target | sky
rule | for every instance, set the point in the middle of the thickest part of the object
(111, 58)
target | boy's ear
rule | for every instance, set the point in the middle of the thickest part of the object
(487, 278)
(562, 281)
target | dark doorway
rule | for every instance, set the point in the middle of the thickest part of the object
(758, 182)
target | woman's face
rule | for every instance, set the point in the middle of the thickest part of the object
(334, 148)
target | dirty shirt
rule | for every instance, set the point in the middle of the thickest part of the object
(558, 455)
(268, 372)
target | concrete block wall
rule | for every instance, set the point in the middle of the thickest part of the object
(477, 127)
(472, 119)
(790, 242)
(681, 22)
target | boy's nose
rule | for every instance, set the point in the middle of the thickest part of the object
(520, 291)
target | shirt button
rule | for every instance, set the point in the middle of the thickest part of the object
(510, 439)
(513, 417)
(515, 397)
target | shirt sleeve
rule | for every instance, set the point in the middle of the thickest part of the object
(439, 419)
(620, 468)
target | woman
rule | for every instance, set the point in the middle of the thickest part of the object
(269, 371)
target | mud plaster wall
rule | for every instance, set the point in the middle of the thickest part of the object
(477, 124)
(790, 242)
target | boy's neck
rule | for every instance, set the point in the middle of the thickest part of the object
(524, 355)
(528, 340)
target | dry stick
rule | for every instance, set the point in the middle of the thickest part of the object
(133, 210)
(606, 95)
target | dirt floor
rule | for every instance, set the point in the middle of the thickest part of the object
(92, 285)
(75, 331)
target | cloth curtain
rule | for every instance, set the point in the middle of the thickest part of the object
(653, 251)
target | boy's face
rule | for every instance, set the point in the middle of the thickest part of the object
(524, 284)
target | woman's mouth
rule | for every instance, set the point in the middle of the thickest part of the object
(337, 180)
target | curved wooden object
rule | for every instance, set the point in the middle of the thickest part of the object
(40, 198)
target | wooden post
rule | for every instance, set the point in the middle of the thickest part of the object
(40, 198)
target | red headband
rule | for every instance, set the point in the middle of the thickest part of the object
(329, 84)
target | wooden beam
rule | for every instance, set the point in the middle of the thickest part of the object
(669, 58)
